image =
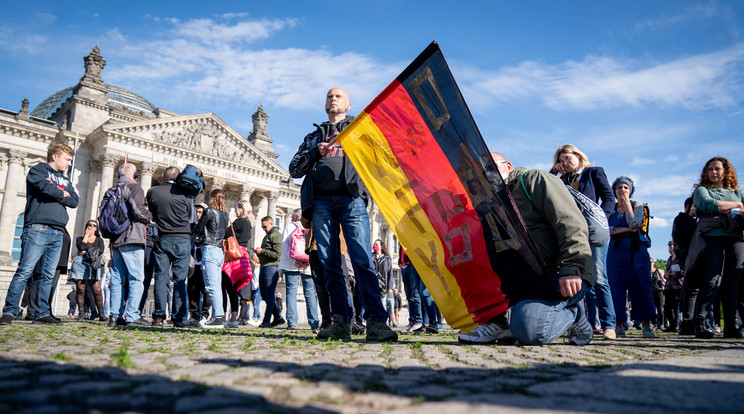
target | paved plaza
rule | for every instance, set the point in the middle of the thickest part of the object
(86, 367)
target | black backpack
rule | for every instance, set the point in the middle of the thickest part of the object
(191, 181)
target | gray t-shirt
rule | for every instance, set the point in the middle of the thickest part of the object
(328, 177)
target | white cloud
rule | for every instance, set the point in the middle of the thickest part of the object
(602, 82)
(671, 185)
(641, 161)
(660, 222)
(695, 12)
(212, 62)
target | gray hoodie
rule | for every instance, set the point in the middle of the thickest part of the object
(138, 214)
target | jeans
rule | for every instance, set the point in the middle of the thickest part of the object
(38, 242)
(269, 277)
(389, 300)
(723, 268)
(212, 259)
(540, 322)
(256, 300)
(411, 282)
(428, 306)
(171, 251)
(330, 212)
(127, 274)
(600, 295)
(292, 279)
(629, 273)
(106, 293)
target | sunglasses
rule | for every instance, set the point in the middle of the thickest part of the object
(92, 225)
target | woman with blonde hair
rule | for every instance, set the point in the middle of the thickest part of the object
(211, 227)
(576, 171)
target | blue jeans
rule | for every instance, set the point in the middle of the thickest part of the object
(171, 251)
(212, 259)
(389, 300)
(292, 279)
(105, 279)
(268, 278)
(38, 242)
(330, 212)
(127, 275)
(600, 295)
(629, 273)
(411, 282)
(256, 300)
(428, 306)
(540, 322)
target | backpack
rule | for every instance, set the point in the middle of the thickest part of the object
(297, 245)
(596, 221)
(191, 181)
(643, 232)
(113, 216)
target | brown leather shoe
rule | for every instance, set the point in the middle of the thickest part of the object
(158, 321)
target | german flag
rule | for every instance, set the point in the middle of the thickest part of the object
(423, 160)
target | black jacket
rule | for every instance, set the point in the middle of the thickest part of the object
(212, 226)
(303, 164)
(171, 210)
(44, 202)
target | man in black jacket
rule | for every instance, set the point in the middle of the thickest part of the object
(128, 253)
(333, 194)
(48, 194)
(171, 210)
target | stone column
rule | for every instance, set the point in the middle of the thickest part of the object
(13, 180)
(272, 196)
(256, 201)
(109, 162)
(94, 190)
(246, 191)
(146, 172)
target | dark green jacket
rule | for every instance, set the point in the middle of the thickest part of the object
(271, 248)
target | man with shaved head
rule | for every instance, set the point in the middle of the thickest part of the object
(333, 197)
(543, 310)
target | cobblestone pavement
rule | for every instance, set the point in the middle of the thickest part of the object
(88, 367)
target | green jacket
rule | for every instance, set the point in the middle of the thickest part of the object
(271, 248)
(555, 223)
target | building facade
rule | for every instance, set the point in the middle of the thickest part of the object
(108, 124)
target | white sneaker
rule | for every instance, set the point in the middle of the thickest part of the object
(487, 333)
(254, 322)
(414, 327)
(212, 323)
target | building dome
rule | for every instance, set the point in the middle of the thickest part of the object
(116, 95)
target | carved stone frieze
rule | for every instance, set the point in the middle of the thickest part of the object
(110, 160)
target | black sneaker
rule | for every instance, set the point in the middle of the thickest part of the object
(357, 328)
(189, 323)
(339, 329)
(49, 319)
(278, 322)
(431, 329)
(138, 322)
(6, 319)
(158, 321)
(380, 332)
(213, 323)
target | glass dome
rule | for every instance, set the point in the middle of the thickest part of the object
(116, 95)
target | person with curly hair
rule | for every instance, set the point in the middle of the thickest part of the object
(718, 200)
(628, 261)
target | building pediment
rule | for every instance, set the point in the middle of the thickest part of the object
(197, 136)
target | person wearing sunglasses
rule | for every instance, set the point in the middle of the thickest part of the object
(87, 269)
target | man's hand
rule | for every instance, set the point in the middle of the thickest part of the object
(258, 250)
(569, 285)
(65, 194)
(324, 148)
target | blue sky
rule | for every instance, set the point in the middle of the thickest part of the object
(647, 89)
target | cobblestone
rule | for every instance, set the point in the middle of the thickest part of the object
(87, 367)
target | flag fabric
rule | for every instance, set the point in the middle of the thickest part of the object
(423, 160)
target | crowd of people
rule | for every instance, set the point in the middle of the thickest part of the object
(589, 233)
